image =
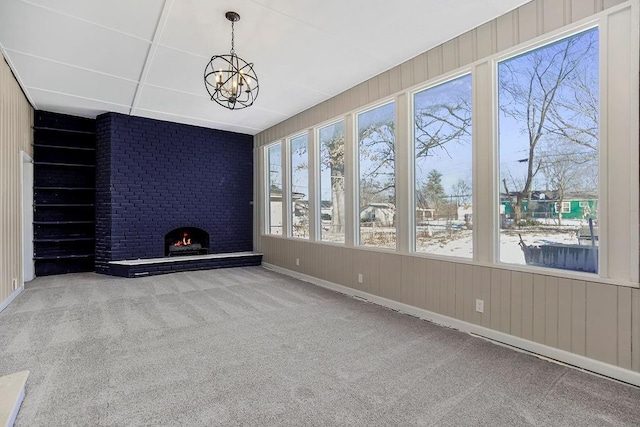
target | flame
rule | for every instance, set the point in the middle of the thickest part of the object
(186, 240)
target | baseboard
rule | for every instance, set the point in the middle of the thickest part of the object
(12, 391)
(572, 359)
(11, 297)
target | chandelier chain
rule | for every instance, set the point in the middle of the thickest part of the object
(232, 39)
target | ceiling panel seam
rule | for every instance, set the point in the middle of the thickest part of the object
(162, 21)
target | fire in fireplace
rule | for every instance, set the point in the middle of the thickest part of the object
(186, 241)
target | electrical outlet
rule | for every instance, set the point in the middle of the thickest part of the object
(359, 277)
(297, 261)
(14, 283)
(480, 306)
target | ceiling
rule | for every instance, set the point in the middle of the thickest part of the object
(147, 57)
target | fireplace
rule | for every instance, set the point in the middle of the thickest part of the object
(186, 241)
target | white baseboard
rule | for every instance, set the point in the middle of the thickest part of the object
(11, 297)
(572, 359)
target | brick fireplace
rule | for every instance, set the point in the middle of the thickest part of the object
(154, 177)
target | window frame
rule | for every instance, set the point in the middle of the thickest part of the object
(356, 170)
(430, 84)
(267, 188)
(289, 197)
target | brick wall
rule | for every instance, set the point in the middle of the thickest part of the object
(153, 177)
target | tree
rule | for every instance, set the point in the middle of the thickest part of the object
(433, 192)
(333, 159)
(536, 90)
(461, 190)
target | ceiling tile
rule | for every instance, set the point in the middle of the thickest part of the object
(68, 40)
(138, 18)
(67, 104)
(42, 74)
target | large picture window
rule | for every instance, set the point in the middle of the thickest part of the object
(274, 190)
(332, 193)
(443, 169)
(377, 179)
(299, 180)
(548, 132)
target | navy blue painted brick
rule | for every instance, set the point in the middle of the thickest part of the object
(153, 177)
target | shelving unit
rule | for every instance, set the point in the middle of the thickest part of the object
(64, 194)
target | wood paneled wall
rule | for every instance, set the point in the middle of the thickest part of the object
(16, 120)
(586, 317)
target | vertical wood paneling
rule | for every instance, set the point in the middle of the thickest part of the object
(433, 286)
(527, 306)
(485, 39)
(516, 304)
(16, 120)
(624, 327)
(552, 17)
(597, 320)
(395, 79)
(551, 311)
(406, 74)
(419, 68)
(420, 275)
(477, 294)
(578, 317)
(450, 55)
(466, 48)
(635, 330)
(373, 280)
(460, 291)
(408, 280)
(505, 301)
(564, 314)
(527, 21)
(496, 299)
(486, 296)
(506, 34)
(434, 62)
(539, 308)
(581, 9)
(390, 276)
(602, 323)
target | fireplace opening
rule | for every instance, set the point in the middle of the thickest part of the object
(186, 241)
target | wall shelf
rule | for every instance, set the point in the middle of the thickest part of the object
(64, 193)
(53, 129)
(63, 147)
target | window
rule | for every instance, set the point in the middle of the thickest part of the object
(442, 169)
(377, 180)
(548, 133)
(331, 139)
(299, 180)
(274, 191)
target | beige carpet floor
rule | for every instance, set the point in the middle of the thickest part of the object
(247, 346)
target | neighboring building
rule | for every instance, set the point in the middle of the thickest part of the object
(545, 204)
(378, 214)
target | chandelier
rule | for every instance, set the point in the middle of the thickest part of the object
(230, 80)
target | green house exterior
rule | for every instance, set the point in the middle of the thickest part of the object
(570, 208)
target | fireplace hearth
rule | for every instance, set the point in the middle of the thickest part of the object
(186, 241)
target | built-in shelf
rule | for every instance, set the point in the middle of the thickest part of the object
(60, 257)
(64, 193)
(62, 222)
(64, 205)
(83, 132)
(78, 165)
(64, 147)
(64, 239)
(65, 188)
